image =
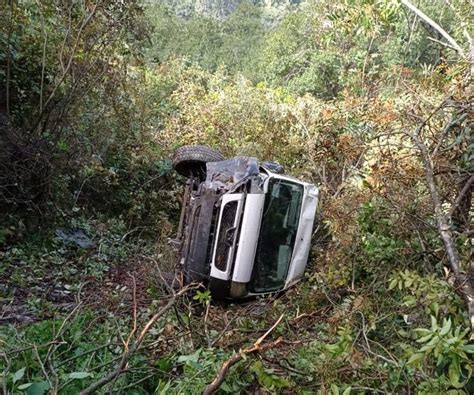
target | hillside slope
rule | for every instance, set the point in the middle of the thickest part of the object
(223, 8)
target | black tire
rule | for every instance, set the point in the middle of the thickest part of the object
(190, 160)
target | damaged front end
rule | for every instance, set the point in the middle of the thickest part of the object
(211, 217)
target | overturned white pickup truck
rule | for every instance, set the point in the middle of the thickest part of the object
(245, 228)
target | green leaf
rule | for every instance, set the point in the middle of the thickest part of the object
(185, 318)
(24, 386)
(18, 375)
(38, 388)
(435, 307)
(194, 357)
(434, 341)
(440, 360)
(454, 373)
(415, 359)
(334, 389)
(469, 348)
(467, 366)
(393, 284)
(446, 327)
(195, 365)
(226, 388)
(427, 348)
(424, 338)
(422, 331)
(164, 364)
(409, 300)
(79, 375)
(165, 389)
(347, 391)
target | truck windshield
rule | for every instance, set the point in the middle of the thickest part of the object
(280, 219)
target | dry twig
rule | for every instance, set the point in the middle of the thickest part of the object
(121, 366)
(134, 329)
(257, 347)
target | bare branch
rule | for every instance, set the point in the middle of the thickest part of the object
(461, 21)
(443, 225)
(121, 366)
(43, 62)
(10, 28)
(256, 348)
(85, 22)
(462, 280)
(219, 379)
(134, 329)
(446, 131)
(461, 195)
(441, 43)
(434, 25)
(263, 337)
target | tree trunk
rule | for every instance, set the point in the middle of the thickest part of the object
(463, 281)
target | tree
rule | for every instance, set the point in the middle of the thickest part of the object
(463, 275)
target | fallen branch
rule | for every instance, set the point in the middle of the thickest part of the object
(257, 347)
(121, 366)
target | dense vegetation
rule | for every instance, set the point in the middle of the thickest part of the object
(365, 98)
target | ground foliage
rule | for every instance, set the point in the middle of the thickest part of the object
(95, 97)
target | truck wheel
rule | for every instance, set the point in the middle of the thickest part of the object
(190, 160)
